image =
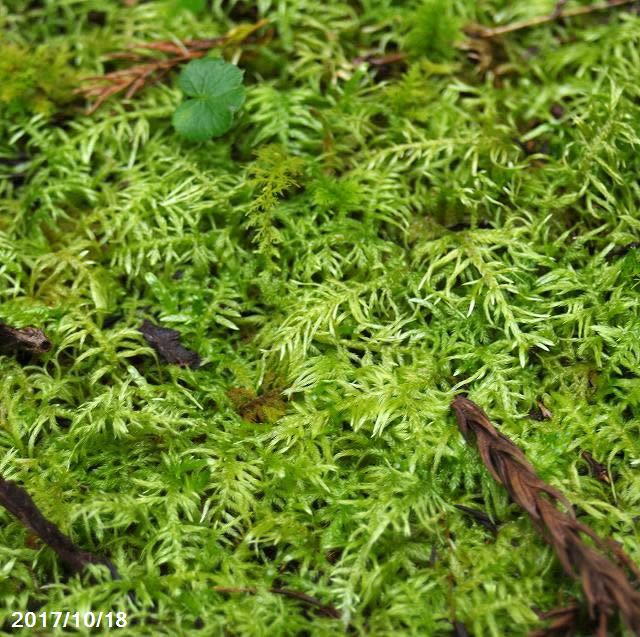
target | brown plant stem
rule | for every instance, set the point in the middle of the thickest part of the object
(599, 566)
(323, 609)
(480, 31)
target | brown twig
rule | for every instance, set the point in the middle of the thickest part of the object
(323, 609)
(599, 568)
(146, 71)
(480, 31)
(20, 504)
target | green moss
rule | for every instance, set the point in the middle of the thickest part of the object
(35, 80)
(375, 238)
(433, 30)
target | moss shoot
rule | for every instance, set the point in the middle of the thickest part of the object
(373, 236)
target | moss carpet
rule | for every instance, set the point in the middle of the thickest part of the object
(395, 217)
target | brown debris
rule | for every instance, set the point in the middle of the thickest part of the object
(484, 47)
(267, 407)
(480, 517)
(480, 52)
(598, 470)
(563, 624)
(542, 412)
(600, 567)
(322, 609)
(167, 344)
(25, 339)
(479, 31)
(147, 69)
(20, 504)
(379, 60)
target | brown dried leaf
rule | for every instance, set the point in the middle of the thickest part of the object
(599, 567)
(167, 344)
(266, 408)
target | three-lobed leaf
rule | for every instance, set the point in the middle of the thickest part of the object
(216, 92)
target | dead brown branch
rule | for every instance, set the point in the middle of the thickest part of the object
(322, 609)
(20, 504)
(147, 69)
(559, 13)
(600, 567)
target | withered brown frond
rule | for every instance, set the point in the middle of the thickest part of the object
(599, 568)
(266, 408)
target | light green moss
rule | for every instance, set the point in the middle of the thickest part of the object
(377, 238)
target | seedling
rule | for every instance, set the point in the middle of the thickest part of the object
(216, 92)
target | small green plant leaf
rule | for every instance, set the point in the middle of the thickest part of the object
(195, 6)
(216, 92)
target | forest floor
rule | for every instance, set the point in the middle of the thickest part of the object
(404, 210)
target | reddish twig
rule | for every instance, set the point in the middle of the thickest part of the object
(146, 71)
(480, 31)
(323, 609)
(599, 568)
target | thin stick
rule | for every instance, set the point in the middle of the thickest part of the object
(479, 31)
(323, 609)
(20, 504)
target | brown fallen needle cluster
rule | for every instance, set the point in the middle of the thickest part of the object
(600, 567)
(147, 68)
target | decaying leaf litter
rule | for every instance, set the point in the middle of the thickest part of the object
(605, 588)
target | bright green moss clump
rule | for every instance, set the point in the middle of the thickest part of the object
(433, 30)
(34, 80)
(370, 240)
